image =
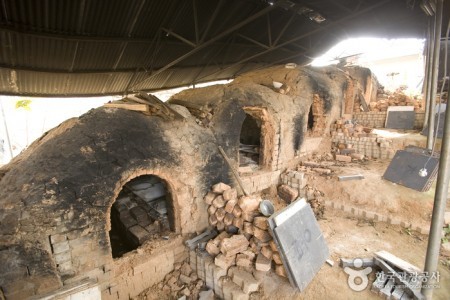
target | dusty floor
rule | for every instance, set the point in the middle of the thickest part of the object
(351, 238)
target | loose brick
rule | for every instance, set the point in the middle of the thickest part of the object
(225, 262)
(212, 249)
(267, 252)
(261, 222)
(248, 228)
(213, 220)
(219, 202)
(233, 245)
(261, 235)
(244, 280)
(228, 220)
(287, 193)
(243, 260)
(249, 216)
(209, 197)
(220, 214)
(237, 211)
(220, 187)
(230, 205)
(230, 194)
(212, 210)
(248, 203)
(262, 263)
(238, 222)
(343, 158)
(277, 258)
(280, 271)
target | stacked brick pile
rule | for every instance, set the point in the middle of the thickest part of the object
(294, 185)
(395, 99)
(244, 238)
(352, 142)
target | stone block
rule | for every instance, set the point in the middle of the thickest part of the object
(287, 193)
(233, 245)
(220, 187)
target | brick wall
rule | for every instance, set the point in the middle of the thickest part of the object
(259, 181)
(378, 119)
(373, 146)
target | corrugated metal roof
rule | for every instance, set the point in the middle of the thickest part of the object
(98, 47)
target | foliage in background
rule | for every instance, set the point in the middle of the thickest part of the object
(25, 104)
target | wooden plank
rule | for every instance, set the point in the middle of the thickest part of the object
(363, 102)
(398, 262)
(236, 175)
(129, 106)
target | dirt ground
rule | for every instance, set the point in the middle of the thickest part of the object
(348, 237)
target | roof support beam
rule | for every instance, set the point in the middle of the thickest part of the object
(302, 36)
(212, 40)
(211, 20)
(194, 8)
(170, 32)
(285, 27)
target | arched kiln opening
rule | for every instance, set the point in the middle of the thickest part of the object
(250, 142)
(142, 211)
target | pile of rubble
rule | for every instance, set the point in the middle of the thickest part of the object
(244, 238)
(398, 98)
(354, 141)
(182, 281)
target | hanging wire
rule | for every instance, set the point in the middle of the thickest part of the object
(444, 81)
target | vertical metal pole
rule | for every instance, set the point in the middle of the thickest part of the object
(427, 76)
(6, 128)
(440, 196)
(435, 73)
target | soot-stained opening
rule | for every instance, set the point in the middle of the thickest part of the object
(142, 211)
(250, 142)
(310, 118)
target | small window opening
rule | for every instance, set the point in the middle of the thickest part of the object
(142, 211)
(250, 142)
(310, 119)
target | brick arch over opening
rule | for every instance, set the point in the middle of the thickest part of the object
(268, 131)
(171, 185)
